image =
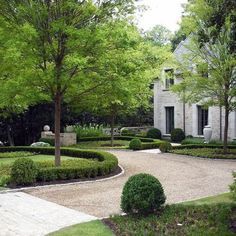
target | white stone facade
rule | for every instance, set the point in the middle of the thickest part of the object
(186, 116)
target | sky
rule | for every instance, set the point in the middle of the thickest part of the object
(163, 12)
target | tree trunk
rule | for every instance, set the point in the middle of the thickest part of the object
(112, 129)
(226, 129)
(9, 136)
(57, 129)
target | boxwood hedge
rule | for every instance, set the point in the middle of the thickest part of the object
(107, 138)
(151, 145)
(193, 146)
(106, 164)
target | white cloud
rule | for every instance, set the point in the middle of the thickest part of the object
(162, 12)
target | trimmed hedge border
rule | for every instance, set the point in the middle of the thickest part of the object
(107, 138)
(151, 145)
(107, 163)
(192, 146)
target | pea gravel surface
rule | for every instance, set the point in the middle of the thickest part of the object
(183, 178)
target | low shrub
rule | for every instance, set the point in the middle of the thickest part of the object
(165, 147)
(48, 140)
(24, 172)
(151, 145)
(106, 138)
(15, 154)
(177, 135)
(154, 133)
(192, 141)
(135, 144)
(217, 142)
(142, 194)
(91, 130)
(233, 187)
(203, 145)
(205, 152)
(4, 180)
(97, 164)
(127, 132)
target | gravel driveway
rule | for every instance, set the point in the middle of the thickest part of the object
(183, 178)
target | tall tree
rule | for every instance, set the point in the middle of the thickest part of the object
(58, 38)
(160, 35)
(213, 81)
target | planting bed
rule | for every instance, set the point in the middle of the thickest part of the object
(76, 164)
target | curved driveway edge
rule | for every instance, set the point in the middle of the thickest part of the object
(183, 178)
(65, 184)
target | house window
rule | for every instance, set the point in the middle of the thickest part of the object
(170, 123)
(202, 119)
(169, 78)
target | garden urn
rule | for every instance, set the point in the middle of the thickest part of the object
(207, 131)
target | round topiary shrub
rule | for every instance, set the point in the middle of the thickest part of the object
(177, 135)
(135, 144)
(23, 172)
(142, 193)
(165, 147)
(154, 133)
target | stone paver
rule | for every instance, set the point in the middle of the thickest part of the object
(24, 215)
(183, 178)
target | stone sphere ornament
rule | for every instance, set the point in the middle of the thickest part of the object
(46, 128)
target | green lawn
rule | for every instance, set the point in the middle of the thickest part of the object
(222, 198)
(93, 228)
(33, 157)
(207, 216)
(118, 144)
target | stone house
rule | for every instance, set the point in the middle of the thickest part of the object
(170, 112)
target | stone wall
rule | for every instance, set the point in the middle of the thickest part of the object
(164, 98)
(66, 139)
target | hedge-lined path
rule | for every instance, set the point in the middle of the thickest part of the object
(183, 178)
(24, 215)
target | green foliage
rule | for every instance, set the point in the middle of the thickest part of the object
(4, 180)
(212, 42)
(154, 133)
(159, 35)
(15, 154)
(152, 145)
(50, 141)
(192, 141)
(204, 145)
(86, 164)
(165, 147)
(142, 194)
(91, 130)
(106, 138)
(233, 187)
(127, 132)
(135, 144)
(24, 172)
(58, 67)
(214, 219)
(214, 152)
(177, 135)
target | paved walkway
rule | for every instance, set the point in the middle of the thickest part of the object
(183, 178)
(24, 215)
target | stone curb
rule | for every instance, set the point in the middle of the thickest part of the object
(66, 184)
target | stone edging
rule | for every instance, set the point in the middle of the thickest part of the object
(65, 184)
